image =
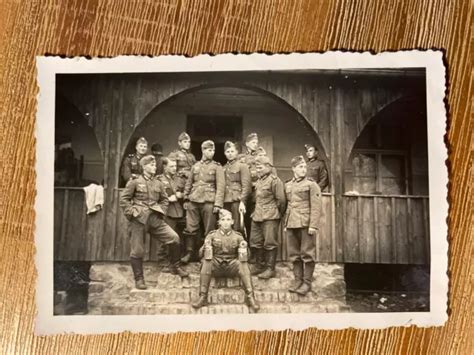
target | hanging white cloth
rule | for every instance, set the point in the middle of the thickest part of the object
(94, 198)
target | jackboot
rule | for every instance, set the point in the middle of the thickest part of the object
(298, 272)
(253, 256)
(175, 264)
(204, 282)
(259, 265)
(307, 279)
(137, 268)
(249, 294)
(270, 257)
(189, 245)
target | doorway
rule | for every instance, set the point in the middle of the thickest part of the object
(217, 128)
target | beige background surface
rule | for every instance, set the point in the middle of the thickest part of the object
(109, 28)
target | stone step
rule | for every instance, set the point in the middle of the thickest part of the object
(218, 296)
(136, 308)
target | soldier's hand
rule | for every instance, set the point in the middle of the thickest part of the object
(186, 205)
(179, 194)
(312, 231)
(172, 198)
(134, 176)
(216, 209)
(242, 208)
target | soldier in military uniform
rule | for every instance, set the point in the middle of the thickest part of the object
(302, 221)
(317, 168)
(248, 158)
(224, 254)
(238, 185)
(131, 168)
(184, 159)
(144, 202)
(203, 196)
(270, 206)
(175, 213)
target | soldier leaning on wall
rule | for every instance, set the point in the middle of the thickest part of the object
(317, 169)
(131, 168)
(302, 222)
(145, 202)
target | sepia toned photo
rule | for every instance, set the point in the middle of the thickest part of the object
(241, 192)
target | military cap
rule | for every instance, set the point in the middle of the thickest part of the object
(263, 160)
(224, 213)
(147, 159)
(251, 137)
(297, 160)
(228, 145)
(307, 146)
(157, 148)
(207, 144)
(183, 136)
(141, 140)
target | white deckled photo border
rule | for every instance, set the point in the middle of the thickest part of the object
(48, 67)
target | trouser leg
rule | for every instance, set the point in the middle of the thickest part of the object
(137, 268)
(307, 279)
(193, 219)
(298, 273)
(245, 277)
(204, 283)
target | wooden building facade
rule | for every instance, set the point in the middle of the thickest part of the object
(369, 125)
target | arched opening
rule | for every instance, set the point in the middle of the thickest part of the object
(229, 112)
(390, 156)
(78, 158)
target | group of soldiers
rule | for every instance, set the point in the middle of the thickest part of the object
(238, 207)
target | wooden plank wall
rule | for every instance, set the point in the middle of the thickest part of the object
(386, 229)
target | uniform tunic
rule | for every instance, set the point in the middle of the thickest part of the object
(145, 202)
(131, 167)
(225, 259)
(303, 212)
(238, 187)
(204, 190)
(318, 172)
(269, 208)
(175, 211)
(184, 162)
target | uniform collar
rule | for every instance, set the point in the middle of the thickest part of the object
(183, 150)
(225, 233)
(299, 179)
(251, 152)
(169, 177)
(147, 178)
(265, 176)
(231, 161)
(313, 159)
(206, 161)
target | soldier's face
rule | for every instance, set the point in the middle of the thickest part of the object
(150, 168)
(300, 170)
(171, 168)
(252, 145)
(141, 148)
(262, 169)
(185, 144)
(208, 153)
(311, 153)
(226, 222)
(230, 153)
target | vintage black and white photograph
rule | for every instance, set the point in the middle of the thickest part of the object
(195, 190)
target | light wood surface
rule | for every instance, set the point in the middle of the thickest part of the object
(109, 28)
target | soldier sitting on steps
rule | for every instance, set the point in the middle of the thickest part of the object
(225, 255)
